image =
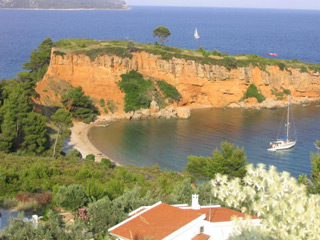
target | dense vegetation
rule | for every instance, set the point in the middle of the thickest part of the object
(64, 4)
(95, 48)
(140, 92)
(25, 131)
(22, 129)
(229, 160)
(100, 196)
(253, 92)
(137, 90)
(168, 90)
(107, 193)
(79, 105)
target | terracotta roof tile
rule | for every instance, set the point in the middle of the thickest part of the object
(201, 236)
(220, 214)
(156, 223)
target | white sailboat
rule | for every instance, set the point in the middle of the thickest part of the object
(196, 35)
(285, 142)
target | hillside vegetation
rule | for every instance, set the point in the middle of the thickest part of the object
(64, 4)
(140, 92)
(93, 48)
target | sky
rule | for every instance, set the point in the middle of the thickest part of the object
(281, 4)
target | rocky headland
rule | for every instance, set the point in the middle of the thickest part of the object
(202, 82)
(98, 66)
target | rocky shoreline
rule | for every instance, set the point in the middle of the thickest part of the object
(270, 103)
(170, 112)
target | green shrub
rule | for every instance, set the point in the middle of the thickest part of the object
(230, 63)
(286, 91)
(303, 69)
(102, 103)
(204, 52)
(74, 153)
(252, 91)
(105, 110)
(71, 197)
(111, 105)
(282, 66)
(137, 91)
(90, 157)
(59, 53)
(215, 52)
(280, 95)
(131, 47)
(107, 162)
(168, 90)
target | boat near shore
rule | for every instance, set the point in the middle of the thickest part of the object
(289, 140)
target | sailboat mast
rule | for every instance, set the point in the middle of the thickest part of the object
(288, 121)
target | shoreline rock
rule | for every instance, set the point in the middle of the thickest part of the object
(166, 113)
(270, 103)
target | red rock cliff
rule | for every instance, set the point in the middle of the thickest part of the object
(199, 84)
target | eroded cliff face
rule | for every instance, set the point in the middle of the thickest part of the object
(200, 85)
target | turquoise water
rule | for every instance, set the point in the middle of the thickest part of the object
(168, 143)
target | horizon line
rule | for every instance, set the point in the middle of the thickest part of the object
(302, 9)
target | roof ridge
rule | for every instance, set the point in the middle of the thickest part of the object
(134, 216)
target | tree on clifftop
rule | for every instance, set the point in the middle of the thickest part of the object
(162, 33)
(40, 59)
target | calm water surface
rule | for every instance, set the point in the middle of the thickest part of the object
(170, 142)
(290, 33)
(5, 218)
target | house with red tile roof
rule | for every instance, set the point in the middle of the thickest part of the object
(178, 222)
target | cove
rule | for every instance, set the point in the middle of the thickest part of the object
(168, 143)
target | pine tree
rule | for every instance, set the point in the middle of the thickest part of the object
(35, 139)
(229, 160)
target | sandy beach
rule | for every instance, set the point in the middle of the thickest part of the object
(80, 140)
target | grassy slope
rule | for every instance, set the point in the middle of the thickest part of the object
(94, 48)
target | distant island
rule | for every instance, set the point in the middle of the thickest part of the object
(63, 4)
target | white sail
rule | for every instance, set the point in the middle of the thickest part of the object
(196, 35)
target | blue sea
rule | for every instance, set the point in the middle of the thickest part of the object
(293, 34)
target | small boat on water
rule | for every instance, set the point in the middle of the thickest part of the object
(273, 54)
(317, 144)
(196, 35)
(289, 140)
